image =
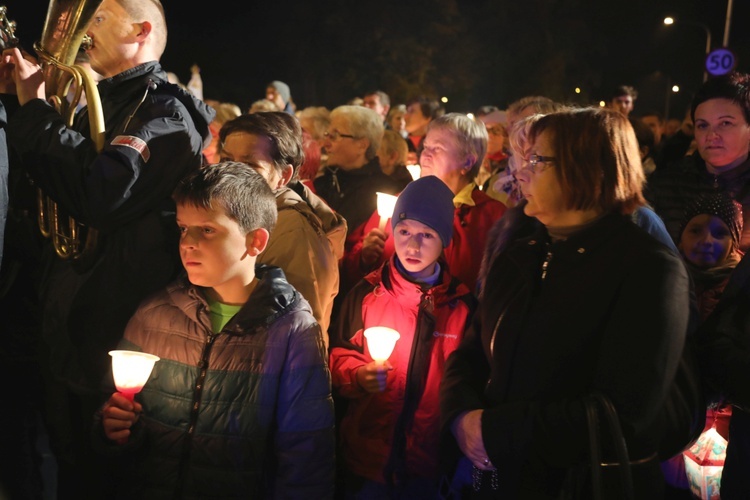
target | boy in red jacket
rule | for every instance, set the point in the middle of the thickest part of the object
(393, 405)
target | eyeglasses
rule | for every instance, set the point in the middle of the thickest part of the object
(334, 135)
(534, 161)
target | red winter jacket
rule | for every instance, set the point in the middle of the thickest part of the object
(464, 253)
(431, 323)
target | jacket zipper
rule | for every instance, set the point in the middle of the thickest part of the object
(545, 264)
(150, 85)
(197, 395)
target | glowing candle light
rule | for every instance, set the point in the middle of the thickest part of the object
(386, 202)
(415, 171)
(380, 341)
(131, 370)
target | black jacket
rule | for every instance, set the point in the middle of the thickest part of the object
(604, 310)
(124, 192)
(351, 193)
(3, 177)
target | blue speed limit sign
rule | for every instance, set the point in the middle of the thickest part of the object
(720, 61)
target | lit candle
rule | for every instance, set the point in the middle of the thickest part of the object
(131, 370)
(380, 341)
(386, 202)
(415, 171)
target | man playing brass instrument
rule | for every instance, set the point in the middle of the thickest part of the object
(154, 134)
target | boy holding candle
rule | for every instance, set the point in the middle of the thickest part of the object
(239, 404)
(393, 406)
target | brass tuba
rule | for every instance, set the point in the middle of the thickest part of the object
(63, 35)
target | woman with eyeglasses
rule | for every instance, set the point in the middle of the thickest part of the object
(352, 174)
(576, 299)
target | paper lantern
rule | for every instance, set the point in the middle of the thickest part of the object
(704, 462)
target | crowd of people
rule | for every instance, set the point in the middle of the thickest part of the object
(539, 260)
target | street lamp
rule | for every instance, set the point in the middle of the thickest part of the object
(668, 21)
(671, 89)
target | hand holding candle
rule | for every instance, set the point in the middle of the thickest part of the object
(131, 370)
(373, 246)
(119, 415)
(386, 202)
(373, 377)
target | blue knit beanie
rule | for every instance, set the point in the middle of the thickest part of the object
(429, 201)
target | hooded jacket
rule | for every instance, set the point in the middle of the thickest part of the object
(395, 432)
(154, 135)
(307, 243)
(245, 413)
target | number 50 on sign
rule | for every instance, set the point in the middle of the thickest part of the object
(720, 61)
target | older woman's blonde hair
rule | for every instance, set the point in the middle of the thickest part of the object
(597, 160)
(315, 120)
(364, 123)
(519, 143)
(471, 137)
(394, 143)
(263, 106)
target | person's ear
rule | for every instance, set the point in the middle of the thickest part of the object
(363, 145)
(143, 30)
(286, 176)
(256, 241)
(470, 161)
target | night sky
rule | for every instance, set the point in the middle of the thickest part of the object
(474, 52)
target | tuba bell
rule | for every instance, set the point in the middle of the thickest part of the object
(64, 34)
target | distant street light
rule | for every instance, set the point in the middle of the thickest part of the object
(444, 99)
(578, 90)
(671, 89)
(670, 20)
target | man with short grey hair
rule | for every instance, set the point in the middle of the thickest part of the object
(378, 101)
